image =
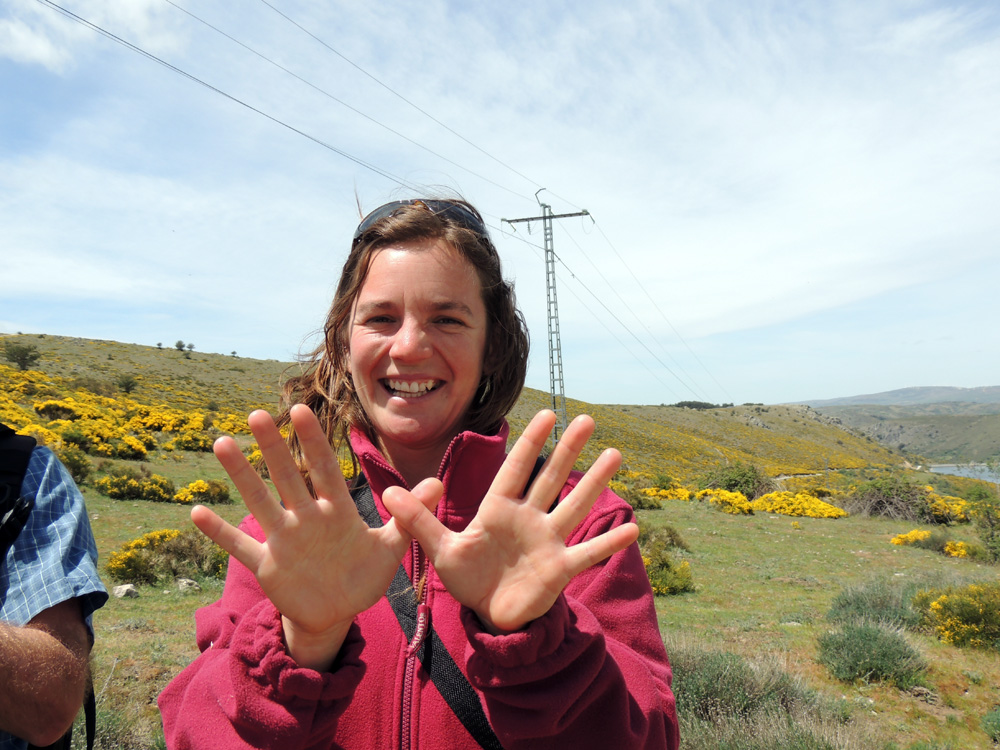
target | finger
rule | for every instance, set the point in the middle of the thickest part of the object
(582, 556)
(551, 479)
(510, 481)
(409, 509)
(395, 535)
(575, 506)
(324, 468)
(251, 487)
(281, 467)
(243, 547)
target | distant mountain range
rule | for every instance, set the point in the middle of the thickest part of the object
(916, 396)
(940, 423)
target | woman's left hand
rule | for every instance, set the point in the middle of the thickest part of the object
(511, 563)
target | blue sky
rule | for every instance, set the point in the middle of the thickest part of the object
(790, 201)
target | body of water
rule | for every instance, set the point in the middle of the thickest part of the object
(973, 471)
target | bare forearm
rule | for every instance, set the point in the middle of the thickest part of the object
(43, 674)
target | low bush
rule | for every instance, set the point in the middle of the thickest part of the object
(891, 496)
(205, 492)
(76, 462)
(984, 508)
(666, 575)
(167, 554)
(871, 652)
(747, 479)
(991, 724)
(716, 685)
(734, 503)
(796, 504)
(123, 483)
(877, 601)
(963, 616)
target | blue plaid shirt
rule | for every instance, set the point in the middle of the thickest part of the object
(54, 558)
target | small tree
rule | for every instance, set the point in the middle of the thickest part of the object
(179, 346)
(190, 347)
(22, 355)
(127, 383)
(738, 477)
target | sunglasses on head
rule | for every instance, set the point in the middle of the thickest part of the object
(458, 212)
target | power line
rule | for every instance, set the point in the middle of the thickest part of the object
(398, 95)
(343, 103)
(360, 162)
(612, 315)
(662, 314)
(624, 303)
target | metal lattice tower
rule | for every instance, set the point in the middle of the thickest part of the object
(556, 382)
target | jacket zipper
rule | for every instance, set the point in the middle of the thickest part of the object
(413, 648)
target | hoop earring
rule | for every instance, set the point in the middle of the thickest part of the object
(486, 388)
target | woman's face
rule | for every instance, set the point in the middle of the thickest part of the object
(418, 335)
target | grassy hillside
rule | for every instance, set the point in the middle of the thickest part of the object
(950, 432)
(763, 583)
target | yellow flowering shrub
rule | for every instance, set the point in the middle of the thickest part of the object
(346, 467)
(232, 424)
(946, 508)
(126, 484)
(190, 440)
(956, 549)
(167, 553)
(205, 492)
(734, 503)
(911, 537)
(797, 504)
(132, 563)
(966, 616)
(674, 493)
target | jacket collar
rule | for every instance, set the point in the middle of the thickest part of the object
(467, 470)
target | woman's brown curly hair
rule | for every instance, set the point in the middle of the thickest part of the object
(326, 386)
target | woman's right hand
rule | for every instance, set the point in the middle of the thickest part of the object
(321, 564)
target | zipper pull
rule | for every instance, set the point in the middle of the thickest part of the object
(423, 625)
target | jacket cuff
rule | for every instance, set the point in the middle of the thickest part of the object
(259, 646)
(546, 644)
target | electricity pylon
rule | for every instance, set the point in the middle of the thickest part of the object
(556, 384)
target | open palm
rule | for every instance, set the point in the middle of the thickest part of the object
(511, 563)
(320, 564)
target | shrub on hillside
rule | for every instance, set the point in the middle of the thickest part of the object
(891, 496)
(878, 601)
(75, 461)
(716, 685)
(871, 653)
(984, 509)
(666, 575)
(991, 724)
(963, 616)
(167, 554)
(206, 492)
(747, 479)
(734, 503)
(796, 504)
(123, 483)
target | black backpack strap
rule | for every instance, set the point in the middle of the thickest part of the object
(15, 452)
(451, 683)
(453, 686)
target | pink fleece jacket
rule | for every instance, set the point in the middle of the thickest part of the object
(592, 673)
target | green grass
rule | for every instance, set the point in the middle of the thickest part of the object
(764, 584)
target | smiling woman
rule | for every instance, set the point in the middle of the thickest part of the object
(485, 600)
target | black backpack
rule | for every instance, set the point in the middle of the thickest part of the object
(15, 452)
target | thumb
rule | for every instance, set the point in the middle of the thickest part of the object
(414, 511)
(429, 492)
